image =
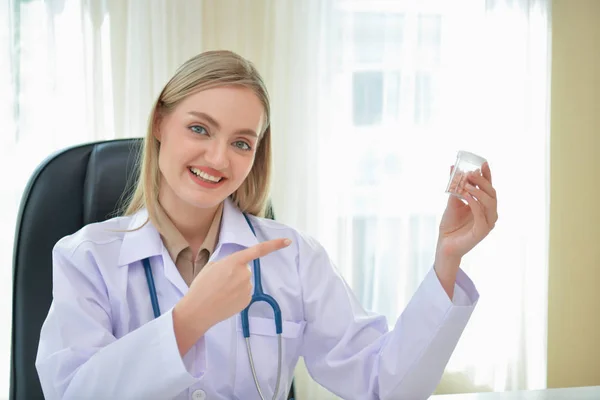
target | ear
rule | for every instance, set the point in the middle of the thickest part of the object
(156, 127)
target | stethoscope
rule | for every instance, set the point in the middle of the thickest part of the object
(258, 295)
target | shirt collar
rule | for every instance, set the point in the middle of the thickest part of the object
(170, 235)
(210, 242)
(174, 240)
(142, 239)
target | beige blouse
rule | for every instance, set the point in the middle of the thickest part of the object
(179, 249)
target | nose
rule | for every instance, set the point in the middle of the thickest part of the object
(216, 154)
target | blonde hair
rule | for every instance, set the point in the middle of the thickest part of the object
(205, 71)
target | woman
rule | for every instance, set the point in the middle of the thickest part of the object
(205, 168)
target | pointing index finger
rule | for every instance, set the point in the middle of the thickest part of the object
(260, 250)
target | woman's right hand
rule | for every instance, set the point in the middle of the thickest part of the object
(221, 289)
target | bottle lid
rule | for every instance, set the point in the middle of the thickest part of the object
(471, 157)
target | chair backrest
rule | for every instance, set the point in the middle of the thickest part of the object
(70, 189)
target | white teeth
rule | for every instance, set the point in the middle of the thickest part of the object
(204, 175)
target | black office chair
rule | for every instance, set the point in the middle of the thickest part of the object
(72, 188)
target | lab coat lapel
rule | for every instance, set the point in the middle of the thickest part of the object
(172, 273)
(234, 228)
(145, 242)
(140, 241)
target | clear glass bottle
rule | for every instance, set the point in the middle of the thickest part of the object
(465, 162)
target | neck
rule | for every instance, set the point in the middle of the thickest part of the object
(192, 222)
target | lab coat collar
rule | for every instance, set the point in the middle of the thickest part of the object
(234, 228)
(141, 243)
(145, 242)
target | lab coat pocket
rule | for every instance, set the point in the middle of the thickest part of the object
(264, 347)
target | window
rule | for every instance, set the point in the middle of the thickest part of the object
(367, 170)
(367, 97)
(393, 90)
(429, 38)
(392, 59)
(369, 38)
(423, 98)
(389, 60)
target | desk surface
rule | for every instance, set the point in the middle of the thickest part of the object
(583, 393)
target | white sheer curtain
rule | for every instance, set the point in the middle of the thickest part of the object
(408, 84)
(371, 100)
(73, 71)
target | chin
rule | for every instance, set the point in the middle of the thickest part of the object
(205, 200)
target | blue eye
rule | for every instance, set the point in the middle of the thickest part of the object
(200, 130)
(240, 144)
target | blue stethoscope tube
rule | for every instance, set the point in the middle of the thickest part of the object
(258, 295)
(151, 287)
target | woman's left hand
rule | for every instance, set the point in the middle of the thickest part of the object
(463, 226)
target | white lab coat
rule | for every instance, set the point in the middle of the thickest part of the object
(100, 339)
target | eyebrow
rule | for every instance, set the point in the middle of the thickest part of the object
(216, 125)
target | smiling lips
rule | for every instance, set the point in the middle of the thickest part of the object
(207, 177)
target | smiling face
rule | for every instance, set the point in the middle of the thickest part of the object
(208, 145)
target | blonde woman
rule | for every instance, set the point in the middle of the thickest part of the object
(155, 304)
